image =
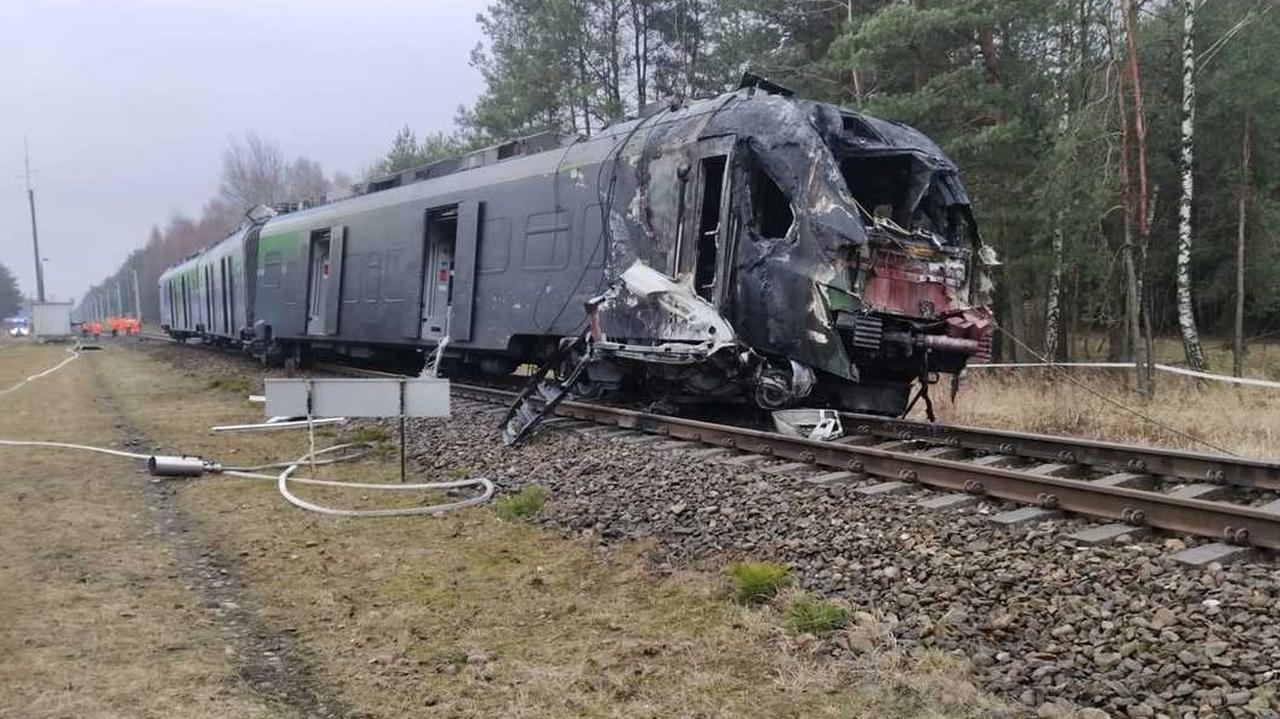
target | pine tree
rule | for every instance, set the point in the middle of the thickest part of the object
(10, 295)
(403, 153)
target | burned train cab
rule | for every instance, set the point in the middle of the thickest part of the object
(787, 251)
(921, 280)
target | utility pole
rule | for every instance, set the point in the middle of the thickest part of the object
(119, 300)
(137, 299)
(35, 237)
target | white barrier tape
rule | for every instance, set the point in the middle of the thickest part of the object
(1109, 365)
(1220, 378)
(1129, 365)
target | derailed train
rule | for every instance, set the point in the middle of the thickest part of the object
(752, 247)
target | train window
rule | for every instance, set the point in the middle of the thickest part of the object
(272, 269)
(772, 207)
(392, 286)
(373, 277)
(546, 241)
(594, 245)
(353, 280)
(495, 245)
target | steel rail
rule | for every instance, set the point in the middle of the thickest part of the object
(1233, 523)
(1221, 520)
(1239, 471)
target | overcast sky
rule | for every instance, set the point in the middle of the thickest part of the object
(128, 104)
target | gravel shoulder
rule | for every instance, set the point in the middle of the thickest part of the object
(1051, 625)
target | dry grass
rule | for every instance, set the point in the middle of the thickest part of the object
(93, 622)
(1241, 420)
(471, 616)
(1262, 357)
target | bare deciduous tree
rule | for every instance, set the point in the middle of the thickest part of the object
(306, 181)
(253, 172)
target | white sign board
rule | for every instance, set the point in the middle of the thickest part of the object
(342, 397)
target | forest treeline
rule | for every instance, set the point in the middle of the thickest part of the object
(1111, 147)
(255, 171)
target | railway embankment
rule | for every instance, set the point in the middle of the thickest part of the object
(1123, 627)
(119, 608)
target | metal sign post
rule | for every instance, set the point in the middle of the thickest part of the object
(400, 397)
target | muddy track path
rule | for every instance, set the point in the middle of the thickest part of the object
(270, 660)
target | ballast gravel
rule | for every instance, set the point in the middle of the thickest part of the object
(1118, 628)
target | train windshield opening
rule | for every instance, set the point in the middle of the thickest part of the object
(895, 193)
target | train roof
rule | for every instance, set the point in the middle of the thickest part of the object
(745, 111)
(758, 108)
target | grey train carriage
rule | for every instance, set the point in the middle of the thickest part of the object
(750, 247)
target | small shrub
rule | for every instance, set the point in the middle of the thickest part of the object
(755, 582)
(231, 383)
(806, 614)
(372, 434)
(523, 504)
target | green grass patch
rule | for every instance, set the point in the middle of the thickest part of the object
(231, 383)
(756, 582)
(372, 434)
(523, 504)
(807, 614)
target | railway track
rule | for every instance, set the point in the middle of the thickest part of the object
(1134, 488)
(1234, 501)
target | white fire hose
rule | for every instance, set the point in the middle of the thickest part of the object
(162, 466)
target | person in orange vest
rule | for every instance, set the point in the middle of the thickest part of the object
(95, 329)
(134, 326)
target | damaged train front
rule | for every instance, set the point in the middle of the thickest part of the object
(920, 290)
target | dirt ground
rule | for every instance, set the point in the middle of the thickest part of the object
(97, 621)
(124, 597)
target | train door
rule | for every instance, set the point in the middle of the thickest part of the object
(324, 281)
(225, 287)
(319, 283)
(437, 285)
(700, 257)
(186, 312)
(208, 325)
(449, 271)
(710, 220)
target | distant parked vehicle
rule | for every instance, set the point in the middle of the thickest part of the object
(18, 326)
